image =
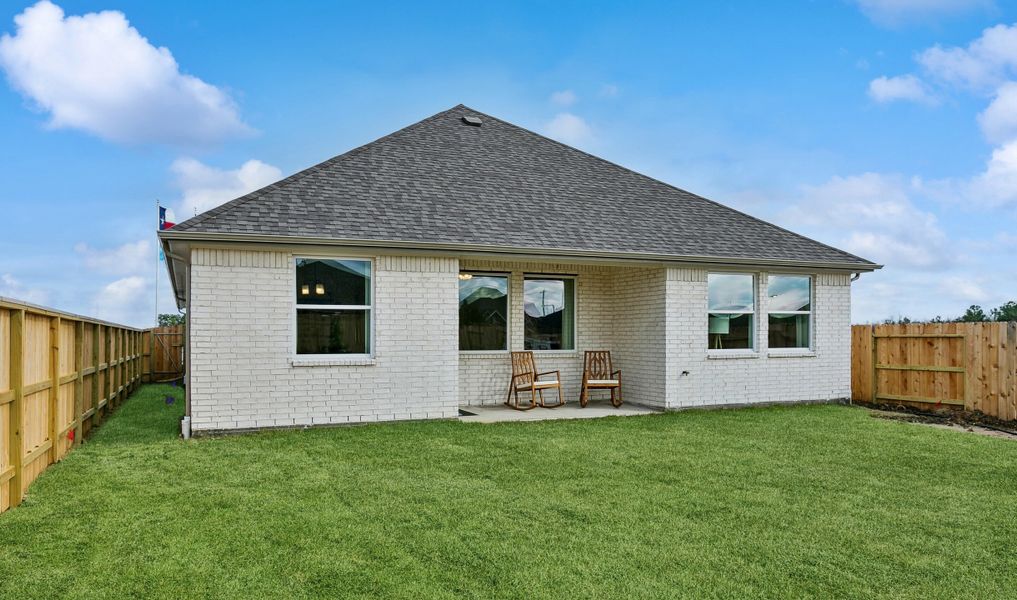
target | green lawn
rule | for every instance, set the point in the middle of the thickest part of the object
(805, 501)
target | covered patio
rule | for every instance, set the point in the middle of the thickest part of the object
(559, 311)
(594, 410)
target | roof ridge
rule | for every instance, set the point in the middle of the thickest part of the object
(240, 200)
(418, 178)
(664, 183)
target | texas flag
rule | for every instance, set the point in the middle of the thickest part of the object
(163, 223)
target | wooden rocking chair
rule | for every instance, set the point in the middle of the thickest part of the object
(526, 379)
(598, 373)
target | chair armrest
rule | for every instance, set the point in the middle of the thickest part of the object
(558, 373)
(618, 373)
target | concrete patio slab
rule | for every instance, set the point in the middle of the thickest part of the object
(503, 414)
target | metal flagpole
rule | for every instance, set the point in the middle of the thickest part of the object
(158, 249)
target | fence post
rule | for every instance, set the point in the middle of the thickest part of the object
(15, 447)
(79, 381)
(130, 361)
(122, 371)
(114, 353)
(134, 359)
(95, 374)
(136, 363)
(54, 387)
(874, 370)
(121, 366)
(107, 379)
(130, 336)
(1011, 378)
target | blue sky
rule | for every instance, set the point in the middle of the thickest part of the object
(884, 127)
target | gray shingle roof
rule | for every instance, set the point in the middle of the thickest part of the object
(442, 181)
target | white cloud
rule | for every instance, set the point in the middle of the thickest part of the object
(564, 98)
(984, 64)
(123, 301)
(896, 12)
(999, 120)
(904, 87)
(206, 187)
(97, 73)
(997, 185)
(132, 257)
(569, 128)
(963, 288)
(873, 216)
(14, 289)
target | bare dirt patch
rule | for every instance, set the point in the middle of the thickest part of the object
(972, 422)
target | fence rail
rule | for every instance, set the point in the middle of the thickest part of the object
(60, 376)
(958, 365)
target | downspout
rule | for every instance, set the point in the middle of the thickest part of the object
(855, 277)
(185, 423)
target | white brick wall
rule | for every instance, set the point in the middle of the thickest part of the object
(241, 317)
(652, 319)
(639, 334)
(824, 374)
(654, 322)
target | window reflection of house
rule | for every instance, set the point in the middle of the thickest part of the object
(549, 313)
(483, 310)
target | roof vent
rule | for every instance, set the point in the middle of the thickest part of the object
(474, 121)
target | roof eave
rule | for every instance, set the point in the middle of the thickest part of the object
(198, 236)
(174, 260)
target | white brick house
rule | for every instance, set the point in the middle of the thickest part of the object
(392, 281)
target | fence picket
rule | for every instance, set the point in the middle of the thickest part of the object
(969, 365)
(46, 354)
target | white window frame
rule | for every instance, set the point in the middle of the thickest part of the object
(811, 312)
(754, 334)
(575, 310)
(370, 308)
(508, 310)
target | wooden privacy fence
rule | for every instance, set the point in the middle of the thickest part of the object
(60, 375)
(970, 366)
(164, 358)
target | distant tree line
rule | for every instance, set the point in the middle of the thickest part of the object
(974, 314)
(167, 320)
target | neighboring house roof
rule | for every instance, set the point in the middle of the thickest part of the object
(443, 182)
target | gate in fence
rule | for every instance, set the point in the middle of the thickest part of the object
(166, 345)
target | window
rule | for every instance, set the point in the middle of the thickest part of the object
(790, 311)
(549, 313)
(333, 306)
(483, 312)
(731, 305)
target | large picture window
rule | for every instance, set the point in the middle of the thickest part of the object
(731, 306)
(789, 307)
(483, 312)
(549, 313)
(333, 298)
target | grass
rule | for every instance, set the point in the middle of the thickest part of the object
(804, 501)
